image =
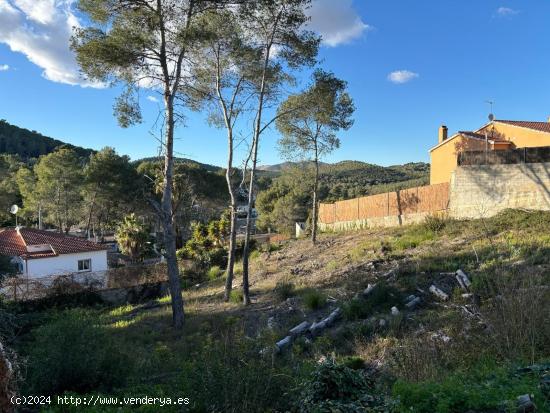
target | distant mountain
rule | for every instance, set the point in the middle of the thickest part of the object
(31, 144)
(205, 166)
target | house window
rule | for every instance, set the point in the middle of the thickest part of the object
(85, 265)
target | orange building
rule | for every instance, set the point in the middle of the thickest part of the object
(498, 135)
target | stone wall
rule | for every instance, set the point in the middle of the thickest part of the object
(484, 190)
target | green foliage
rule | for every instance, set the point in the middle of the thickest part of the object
(9, 192)
(214, 273)
(226, 374)
(435, 223)
(284, 290)
(58, 188)
(72, 353)
(487, 387)
(236, 296)
(336, 387)
(111, 189)
(313, 299)
(207, 243)
(380, 299)
(133, 237)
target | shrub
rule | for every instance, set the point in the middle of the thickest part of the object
(435, 223)
(73, 353)
(236, 296)
(335, 387)
(226, 374)
(332, 266)
(284, 290)
(381, 298)
(214, 273)
(254, 254)
(487, 387)
(314, 299)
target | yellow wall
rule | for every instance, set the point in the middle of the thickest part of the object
(521, 137)
(444, 159)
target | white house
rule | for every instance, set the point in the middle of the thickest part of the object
(44, 254)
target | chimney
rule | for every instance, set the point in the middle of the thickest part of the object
(443, 133)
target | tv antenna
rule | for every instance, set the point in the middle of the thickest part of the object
(14, 210)
(491, 115)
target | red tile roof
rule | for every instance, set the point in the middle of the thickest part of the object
(14, 242)
(538, 126)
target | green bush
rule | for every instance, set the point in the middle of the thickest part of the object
(236, 296)
(214, 273)
(284, 290)
(486, 387)
(314, 299)
(380, 299)
(335, 387)
(225, 374)
(73, 353)
(435, 223)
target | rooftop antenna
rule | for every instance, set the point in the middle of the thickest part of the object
(13, 210)
(491, 115)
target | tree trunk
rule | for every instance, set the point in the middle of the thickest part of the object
(315, 212)
(246, 248)
(167, 220)
(233, 229)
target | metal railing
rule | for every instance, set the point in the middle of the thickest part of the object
(512, 156)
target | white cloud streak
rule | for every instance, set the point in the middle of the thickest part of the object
(41, 29)
(506, 12)
(152, 99)
(3, 68)
(402, 76)
(336, 21)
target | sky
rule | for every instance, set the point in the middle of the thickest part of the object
(410, 66)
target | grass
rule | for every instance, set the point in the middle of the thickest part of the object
(313, 298)
(236, 296)
(214, 273)
(284, 289)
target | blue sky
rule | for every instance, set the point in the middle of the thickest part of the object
(447, 58)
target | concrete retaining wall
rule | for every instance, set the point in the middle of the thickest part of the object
(484, 190)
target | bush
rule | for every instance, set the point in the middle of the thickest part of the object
(314, 299)
(381, 298)
(337, 388)
(236, 296)
(214, 273)
(225, 374)
(73, 353)
(435, 223)
(284, 290)
(487, 387)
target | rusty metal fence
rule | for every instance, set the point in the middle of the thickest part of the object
(422, 199)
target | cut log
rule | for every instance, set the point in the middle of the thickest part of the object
(369, 289)
(299, 329)
(413, 303)
(317, 328)
(439, 293)
(463, 279)
(394, 311)
(283, 344)
(525, 404)
(410, 298)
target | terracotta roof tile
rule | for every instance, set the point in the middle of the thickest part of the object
(14, 242)
(538, 126)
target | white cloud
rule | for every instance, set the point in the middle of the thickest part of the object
(152, 99)
(41, 29)
(506, 12)
(3, 68)
(336, 21)
(402, 76)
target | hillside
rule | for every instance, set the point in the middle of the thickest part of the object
(31, 144)
(477, 350)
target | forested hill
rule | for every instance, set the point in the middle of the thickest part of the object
(31, 144)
